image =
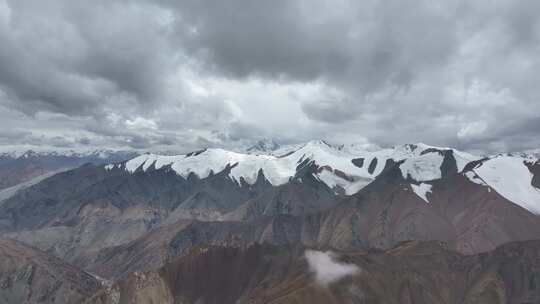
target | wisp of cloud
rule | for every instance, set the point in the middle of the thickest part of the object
(327, 270)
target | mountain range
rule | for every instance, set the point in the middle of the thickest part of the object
(139, 220)
(19, 166)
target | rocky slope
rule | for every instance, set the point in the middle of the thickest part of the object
(91, 208)
(413, 272)
(28, 275)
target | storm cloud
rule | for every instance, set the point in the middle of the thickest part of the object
(180, 75)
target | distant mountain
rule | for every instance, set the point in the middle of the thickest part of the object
(19, 166)
(104, 154)
(264, 146)
(340, 170)
(533, 153)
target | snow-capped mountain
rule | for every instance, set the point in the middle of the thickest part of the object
(348, 170)
(270, 147)
(264, 146)
(532, 153)
(345, 169)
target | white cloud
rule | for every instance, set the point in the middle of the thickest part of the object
(326, 267)
(5, 12)
(472, 130)
(141, 123)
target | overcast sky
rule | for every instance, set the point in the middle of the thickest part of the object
(179, 75)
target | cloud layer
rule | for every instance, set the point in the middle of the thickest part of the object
(179, 75)
(326, 269)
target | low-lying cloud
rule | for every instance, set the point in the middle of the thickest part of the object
(326, 267)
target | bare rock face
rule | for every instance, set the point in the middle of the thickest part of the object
(28, 275)
(413, 272)
(12, 174)
(534, 167)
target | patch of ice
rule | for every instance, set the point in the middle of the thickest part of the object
(422, 190)
(474, 178)
(357, 186)
(332, 180)
(511, 178)
(423, 168)
(463, 158)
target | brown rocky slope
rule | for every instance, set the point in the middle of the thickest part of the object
(413, 272)
(28, 275)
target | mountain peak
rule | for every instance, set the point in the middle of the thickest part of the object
(319, 143)
(264, 145)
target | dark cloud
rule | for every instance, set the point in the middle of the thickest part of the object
(507, 135)
(167, 74)
(76, 58)
(331, 111)
(365, 45)
(271, 39)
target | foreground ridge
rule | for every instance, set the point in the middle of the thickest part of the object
(412, 272)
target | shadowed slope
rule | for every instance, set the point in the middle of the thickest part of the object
(413, 272)
(28, 275)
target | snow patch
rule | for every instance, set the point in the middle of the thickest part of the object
(422, 190)
(356, 186)
(423, 168)
(474, 178)
(463, 158)
(511, 178)
(332, 180)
